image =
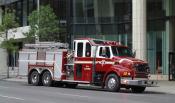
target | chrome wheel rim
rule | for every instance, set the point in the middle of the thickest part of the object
(46, 79)
(34, 78)
(111, 83)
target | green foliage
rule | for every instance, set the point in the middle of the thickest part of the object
(8, 22)
(43, 25)
(9, 45)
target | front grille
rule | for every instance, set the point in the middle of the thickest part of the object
(142, 68)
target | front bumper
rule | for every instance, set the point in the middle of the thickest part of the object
(138, 82)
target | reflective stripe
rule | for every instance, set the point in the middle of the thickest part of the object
(83, 62)
(90, 62)
(105, 62)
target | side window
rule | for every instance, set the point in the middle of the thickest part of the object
(80, 50)
(88, 50)
(105, 52)
(108, 52)
(100, 52)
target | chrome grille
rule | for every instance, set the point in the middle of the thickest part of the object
(142, 68)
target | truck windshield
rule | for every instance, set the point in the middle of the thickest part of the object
(121, 51)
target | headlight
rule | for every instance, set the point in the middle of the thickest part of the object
(126, 74)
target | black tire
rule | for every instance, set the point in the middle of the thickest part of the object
(112, 83)
(47, 79)
(138, 89)
(34, 78)
(71, 85)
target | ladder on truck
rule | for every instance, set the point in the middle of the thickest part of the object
(47, 45)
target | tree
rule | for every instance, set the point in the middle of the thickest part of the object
(9, 21)
(43, 24)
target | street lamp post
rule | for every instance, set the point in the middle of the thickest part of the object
(38, 9)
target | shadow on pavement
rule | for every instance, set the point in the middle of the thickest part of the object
(121, 91)
(96, 88)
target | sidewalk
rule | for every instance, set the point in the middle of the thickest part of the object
(17, 79)
(13, 72)
(2, 76)
(165, 87)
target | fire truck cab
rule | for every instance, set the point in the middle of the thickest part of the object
(96, 62)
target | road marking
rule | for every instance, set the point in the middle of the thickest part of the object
(132, 94)
(3, 87)
(9, 97)
(73, 95)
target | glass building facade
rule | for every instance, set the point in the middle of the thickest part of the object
(160, 35)
(107, 19)
(113, 20)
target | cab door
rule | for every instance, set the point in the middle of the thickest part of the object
(77, 62)
(103, 58)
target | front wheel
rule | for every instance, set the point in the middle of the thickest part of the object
(138, 89)
(47, 79)
(112, 83)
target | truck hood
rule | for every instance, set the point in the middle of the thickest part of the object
(132, 63)
(128, 60)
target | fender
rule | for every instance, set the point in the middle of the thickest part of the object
(40, 70)
(112, 69)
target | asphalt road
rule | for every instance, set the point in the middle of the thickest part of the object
(18, 92)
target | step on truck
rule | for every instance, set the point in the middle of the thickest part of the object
(91, 61)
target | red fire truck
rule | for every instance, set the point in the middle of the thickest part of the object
(96, 62)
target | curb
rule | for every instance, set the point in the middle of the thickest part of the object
(16, 79)
(3, 77)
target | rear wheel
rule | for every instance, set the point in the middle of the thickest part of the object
(138, 89)
(47, 79)
(34, 78)
(112, 83)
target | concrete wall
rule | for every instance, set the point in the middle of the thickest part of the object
(12, 33)
(3, 62)
(3, 55)
(18, 33)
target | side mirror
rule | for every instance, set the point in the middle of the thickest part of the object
(134, 53)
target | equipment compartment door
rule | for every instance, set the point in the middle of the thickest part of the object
(83, 70)
(78, 72)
